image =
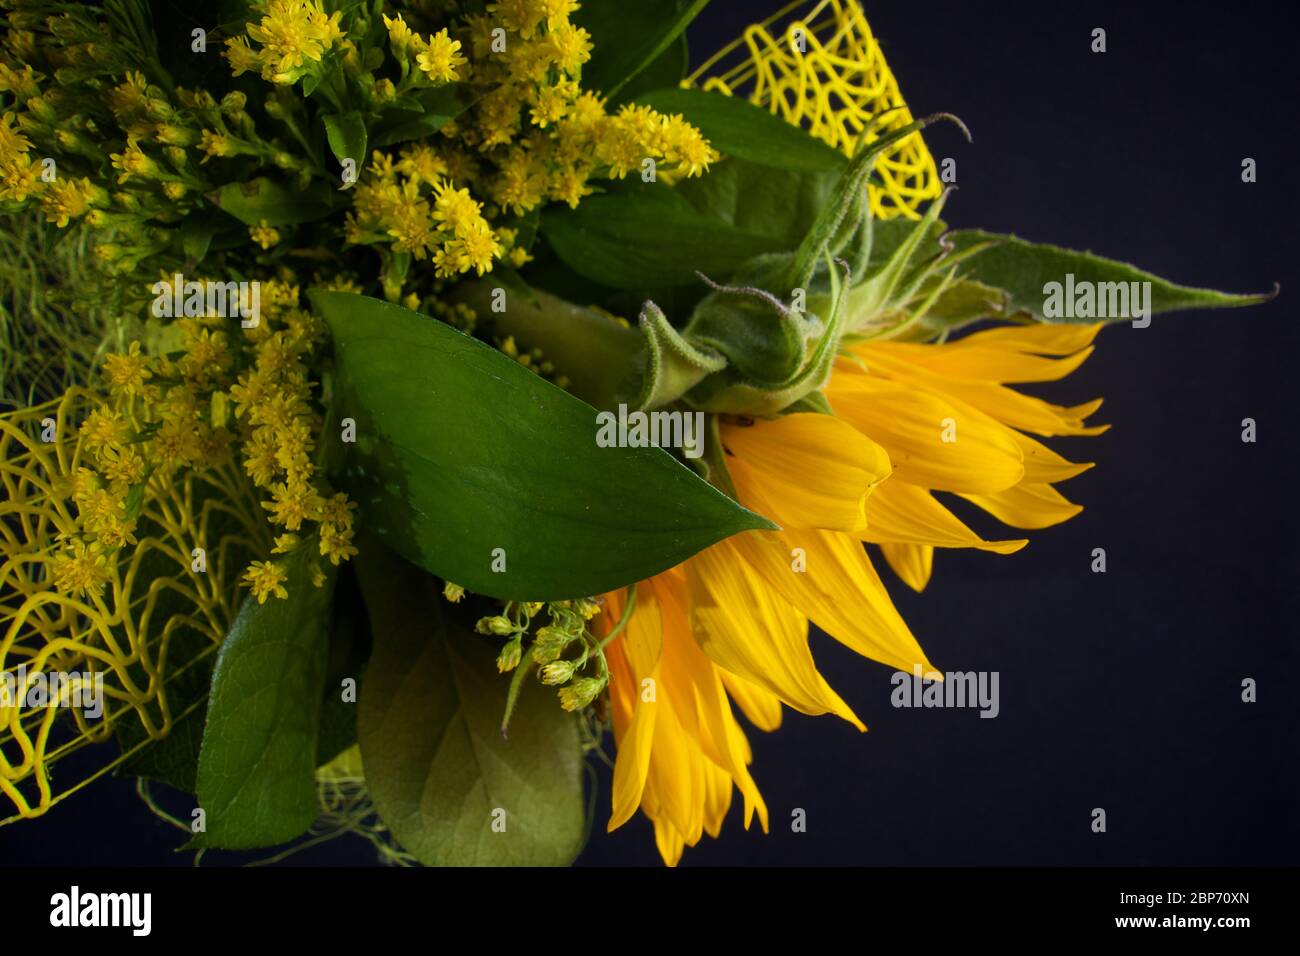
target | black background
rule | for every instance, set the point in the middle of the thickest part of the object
(1119, 690)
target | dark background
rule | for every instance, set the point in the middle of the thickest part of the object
(1119, 690)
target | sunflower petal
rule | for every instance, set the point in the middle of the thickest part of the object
(931, 442)
(750, 631)
(820, 469)
(900, 513)
(1028, 505)
(911, 562)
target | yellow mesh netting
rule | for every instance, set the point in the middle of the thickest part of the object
(123, 632)
(823, 70)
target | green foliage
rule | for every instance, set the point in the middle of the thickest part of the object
(482, 472)
(256, 774)
(451, 788)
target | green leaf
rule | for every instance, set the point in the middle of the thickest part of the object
(280, 204)
(437, 767)
(647, 239)
(738, 128)
(778, 204)
(667, 71)
(435, 108)
(196, 237)
(256, 780)
(1023, 269)
(346, 134)
(464, 460)
(628, 37)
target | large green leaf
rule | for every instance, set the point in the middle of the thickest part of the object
(256, 780)
(738, 128)
(437, 768)
(778, 204)
(629, 37)
(276, 203)
(465, 459)
(647, 239)
(1023, 269)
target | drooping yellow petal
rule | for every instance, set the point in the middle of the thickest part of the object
(899, 513)
(634, 730)
(762, 707)
(1028, 506)
(751, 631)
(932, 442)
(668, 841)
(820, 469)
(700, 701)
(839, 590)
(1044, 466)
(717, 799)
(911, 562)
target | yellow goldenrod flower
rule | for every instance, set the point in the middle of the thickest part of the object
(866, 474)
(266, 578)
(264, 235)
(441, 58)
(127, 373)
(12, 142)
(293, 33)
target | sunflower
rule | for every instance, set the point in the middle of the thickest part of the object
(730, 625)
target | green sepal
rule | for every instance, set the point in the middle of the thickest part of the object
(847, 206)
(673, 366)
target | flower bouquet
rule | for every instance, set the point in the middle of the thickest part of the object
(410, 404)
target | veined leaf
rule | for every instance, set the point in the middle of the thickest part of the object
(449, 787)
(665, 72)
(256, 781)
(1023, 269)
(647, 239)
(628, 37)
(482, 472)
(346, 133)
(778, 204)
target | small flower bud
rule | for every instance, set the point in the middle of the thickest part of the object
(580, 693)
(510, 655)
(558, 672)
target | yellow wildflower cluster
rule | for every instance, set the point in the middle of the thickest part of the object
(292, 36)
(273, 407)
(534, 136)
(412, 205)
